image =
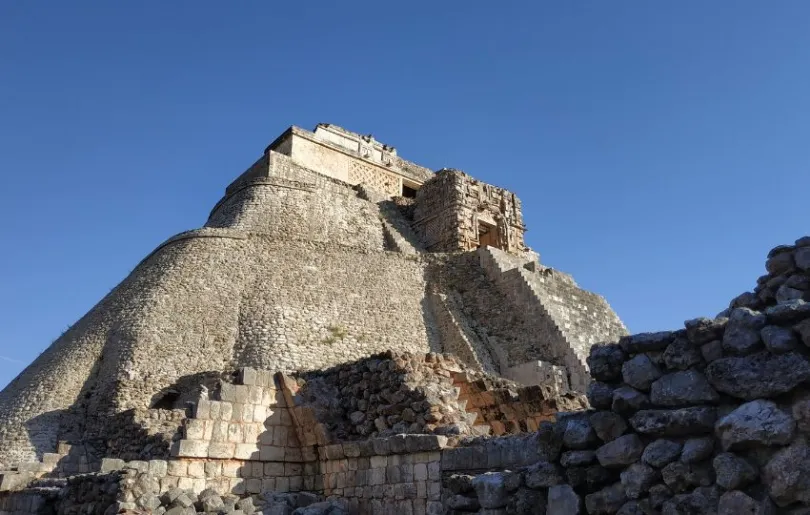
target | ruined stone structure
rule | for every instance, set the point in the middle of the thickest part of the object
(343, 319)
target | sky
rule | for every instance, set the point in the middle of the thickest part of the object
(660, 149)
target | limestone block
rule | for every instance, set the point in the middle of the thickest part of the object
(202, 410)
(246, 451)
(193, 449)
(235, 433)
(213, 469)
(158, 468)
(196, 469)
(177, 468)
(271, 453)
(194, 429)
(234, 393)
(110, 464)
(223, 450)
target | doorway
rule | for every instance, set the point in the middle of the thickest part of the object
(488, 235)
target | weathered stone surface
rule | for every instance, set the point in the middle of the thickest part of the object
(759, 375)
(738, 503)
(779, 263)
(637, 479)
(682, 354)
(675, 422)
(801, 412)
(646, 342)
(640, 372)
(759, 422)
(562, 500)
(622, 451)
(661, 452)
(803, 328)
(543, 475)
(702, 500)
(459, 483)
(605, 362)
(589, 477)
(627, 400)
(527, 502)
(802, 258)
(463, 503)
(606, 501)
(608, 425)
(712, 351)
(697, 449)
(579, 433)
(703, 330)
(493, 488)
(659, 494)
(778, 340)
(600, 395)
(733, 472)
(788, 312)
(577, 458)
(633, 508)
(741, 336)
(684, 388)
(680, 476)
(787, 474)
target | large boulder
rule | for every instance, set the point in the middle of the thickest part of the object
(742, 332)
(779, 340)
(683, 388)
(732, 471)
(608, 425)
(605, 362)
(759, 422)
(759, 375)
(493, 488)
(620, 452)
(787, 474)
(661, 452)
(640, 372)
(606, 501)
(697, 449)
(682, 355)
(704, 330)
(562, 500)
(646, 342)
(637, 479)
(675, 422)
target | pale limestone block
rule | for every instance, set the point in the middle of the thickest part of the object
(253, 486)
(247, 413)
(231, 468)
(158, 468)
(209, 430)
(235, 433)
(378, 461)
(434, 470)
(185, 483)
(220, 431)
(237, 412)
(196, 469)
(222, 450)
(203, 409)
(420, 472)
(250, 376)
(198, 485)
(168, 482)
(215, 407)
(195, 429)
(255, 394)
(213, 469)
(256, 468)
(193, 449)
(282, 484)
(269, 484)
(259, 413)
(268, 397)
(178, 468)
(292, 469)
(235, 393)
(246, 451)
(226, 410)
(252, 432)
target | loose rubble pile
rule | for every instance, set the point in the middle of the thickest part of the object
(387, 394)
(134, 491)
(712, 418)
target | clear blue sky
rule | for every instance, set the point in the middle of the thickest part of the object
(660, 148)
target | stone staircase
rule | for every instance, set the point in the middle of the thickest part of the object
(579, 318)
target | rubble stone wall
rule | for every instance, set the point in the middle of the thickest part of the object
(712, 418)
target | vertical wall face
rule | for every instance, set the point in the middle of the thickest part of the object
(456, 212)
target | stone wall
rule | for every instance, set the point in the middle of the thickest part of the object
(712, 418)
(452, 206)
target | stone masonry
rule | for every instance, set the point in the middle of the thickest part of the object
(343, 318)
